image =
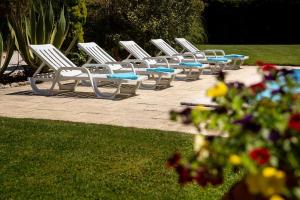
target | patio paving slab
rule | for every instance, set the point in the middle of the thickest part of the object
(149, 109)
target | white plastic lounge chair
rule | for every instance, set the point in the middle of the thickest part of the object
(192, 70)
(162, 76)
(236, 60)
(214, 64)
(167, 50)
(65, 70)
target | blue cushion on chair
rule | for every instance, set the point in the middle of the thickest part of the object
(214, 59)
(234, 56)
(130, 76)
(160, 69)
(191, 64)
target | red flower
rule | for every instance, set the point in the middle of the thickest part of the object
(269, 68)
(202, 177)
(260, 155)
(184, 174)
(260, 63)
(294, 122)
(174, 160)
(259, 87)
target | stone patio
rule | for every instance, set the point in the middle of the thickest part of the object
(149, 109)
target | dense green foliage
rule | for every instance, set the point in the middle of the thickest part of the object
(111, 21)
(78, 13)
(42, 159)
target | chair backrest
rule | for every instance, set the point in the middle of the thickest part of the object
(51, 56)
(96, 52)
(187, 45)
(134, 49)
(164, 47)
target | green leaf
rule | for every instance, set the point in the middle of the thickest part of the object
(20, 34)
(60, 30)
(40, 37)
(9, 53)
(296, 192)
(292, 160)
(32, 26)
(249, 164)
(49, 23)
(1, 48)
(72, 44)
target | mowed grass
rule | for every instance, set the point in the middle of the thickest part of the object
(277, 54)
(42, 159)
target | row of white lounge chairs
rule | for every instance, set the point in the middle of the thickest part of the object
(127, 76)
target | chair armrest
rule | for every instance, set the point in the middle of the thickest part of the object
(106, 66)
(130, 65)
(190, 54)
(87, 65)
(132, 60)
(210, 53)
(216, 52)
(83, 69)
(164, 58)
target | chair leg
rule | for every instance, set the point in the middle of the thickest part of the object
(165, 82)
(160, 82)
(235, 65)
(45, 92)
(194, 75)
(69, 87)
(99, 94)
(138, 84)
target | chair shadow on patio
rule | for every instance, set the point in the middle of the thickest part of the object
(70, 94)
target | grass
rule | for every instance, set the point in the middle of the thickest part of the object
(277, 54)
(42, 159)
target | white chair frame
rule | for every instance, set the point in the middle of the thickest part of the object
(64, 70)
(235, 63)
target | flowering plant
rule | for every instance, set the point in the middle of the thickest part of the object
(258, 132)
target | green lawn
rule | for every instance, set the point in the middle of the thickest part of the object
(42, 159)
(277, 54)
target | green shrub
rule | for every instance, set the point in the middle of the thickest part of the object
(111, 21)
(78, 12)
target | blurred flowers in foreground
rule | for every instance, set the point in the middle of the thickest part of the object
(259, 128)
